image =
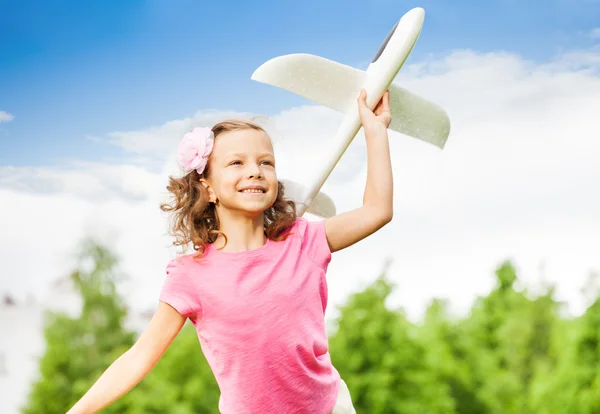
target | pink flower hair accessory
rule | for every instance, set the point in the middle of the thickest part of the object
(194, 149)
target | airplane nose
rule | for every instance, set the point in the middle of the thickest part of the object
(416, 15)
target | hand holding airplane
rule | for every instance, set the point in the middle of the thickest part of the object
(379, 116)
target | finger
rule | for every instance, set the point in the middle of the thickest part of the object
(362, 98)
(377, 109)
(380, 105)
(386, 101)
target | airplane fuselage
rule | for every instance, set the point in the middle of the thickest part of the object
(379, 75)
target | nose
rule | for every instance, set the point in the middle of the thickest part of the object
(254, 171)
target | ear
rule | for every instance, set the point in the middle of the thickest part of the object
(212, 198)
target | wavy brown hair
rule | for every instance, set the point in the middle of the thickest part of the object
(195, 219)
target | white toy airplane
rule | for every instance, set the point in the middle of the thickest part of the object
(337, 86)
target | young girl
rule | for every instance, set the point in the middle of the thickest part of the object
(255, 289)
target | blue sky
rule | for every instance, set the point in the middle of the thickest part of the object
(70, 70)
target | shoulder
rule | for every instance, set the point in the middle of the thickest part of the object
(299, 226)
(300, 229)
(305, 228)
(313, 240)
(179, 289)
(180, 265)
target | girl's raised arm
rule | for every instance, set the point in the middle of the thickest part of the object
(131, 367)
(348, 228)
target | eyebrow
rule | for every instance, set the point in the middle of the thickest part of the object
(264, 154)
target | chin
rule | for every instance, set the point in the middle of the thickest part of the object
(257, 208)
(249, 206)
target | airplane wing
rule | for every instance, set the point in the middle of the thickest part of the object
(322, 205)
(337, 86)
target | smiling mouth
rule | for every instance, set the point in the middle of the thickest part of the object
(253, 191)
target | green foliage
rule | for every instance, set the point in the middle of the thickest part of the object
(376, 352)
(79, 349)
(513, 353)
(181, 382)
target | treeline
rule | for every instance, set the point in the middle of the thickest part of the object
(513, 353)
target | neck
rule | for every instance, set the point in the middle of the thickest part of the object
(243, 232)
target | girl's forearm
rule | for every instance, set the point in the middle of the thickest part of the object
(122, 375)
(379, 188)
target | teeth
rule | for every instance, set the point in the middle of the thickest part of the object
(252, 191)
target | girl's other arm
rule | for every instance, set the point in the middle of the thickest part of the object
(345, 229)
(131, 367)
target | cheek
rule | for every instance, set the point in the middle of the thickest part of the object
(228, 181)
(274, 183)
(271, 174)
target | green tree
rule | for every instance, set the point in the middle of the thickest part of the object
(575, 385)
(79, 349)
(508, 338)
(181, 383)
(586, 357)
(377, 354)
(446, 350)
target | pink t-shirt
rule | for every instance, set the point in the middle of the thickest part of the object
(259, 316)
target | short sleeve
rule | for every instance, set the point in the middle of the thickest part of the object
(315, 242)
(178, 290)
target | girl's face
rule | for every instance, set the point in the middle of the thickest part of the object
(242, 173)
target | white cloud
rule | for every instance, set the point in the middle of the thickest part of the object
(90, 181)
(6, 117)
(155, 141)
(595, 33)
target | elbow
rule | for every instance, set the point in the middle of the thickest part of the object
(380, 215)
(385, 217)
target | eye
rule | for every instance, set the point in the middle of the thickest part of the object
(266, 162)
(237, 162)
